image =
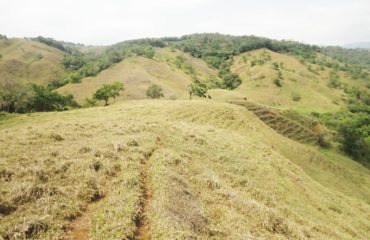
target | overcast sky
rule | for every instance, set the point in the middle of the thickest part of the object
(323, 22)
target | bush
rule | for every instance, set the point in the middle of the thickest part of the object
(324, 141)
(275, 65)
(296, 97)
(155, 91)
(253, 62)
(277, 82)
(198, 89)
(231, 81)
(90, 102)
(334, 83)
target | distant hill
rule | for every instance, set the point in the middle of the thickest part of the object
(365, 45)
(357, 57)
(283, 80)
(170, 69)
(26, 61)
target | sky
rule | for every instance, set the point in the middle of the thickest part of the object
(104, 22)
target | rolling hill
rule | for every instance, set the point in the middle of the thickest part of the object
(254, 160)
(138, 73)
(304, 85)
(173, 169)
(26, 61)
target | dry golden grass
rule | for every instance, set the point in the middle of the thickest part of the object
(27, 61)
(138, 73)
(205, 170)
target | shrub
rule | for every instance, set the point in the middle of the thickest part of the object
(155, 91)
(275, 65)
(253, 62)
(231, 80)
(324, 140)
(296, 97)
(90, 102)
(334, 83)
(198, 89)
(277, 82)
(96, 165)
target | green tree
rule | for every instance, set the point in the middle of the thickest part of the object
(109, 91)
(155, 91)
(13, 96)
(44, 99)
(355, 136)
(198, 89)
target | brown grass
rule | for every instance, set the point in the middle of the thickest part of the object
(27, 61)
(218, 173)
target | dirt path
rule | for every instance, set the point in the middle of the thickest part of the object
(143, 231)
(81, 226)
(142, 223)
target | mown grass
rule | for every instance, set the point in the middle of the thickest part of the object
(217, 173)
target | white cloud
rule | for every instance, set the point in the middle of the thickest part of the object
(110, 21)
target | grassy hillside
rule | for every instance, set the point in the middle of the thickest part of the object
(26, 61)
(172, 170)
(170, 69)
(285, 81)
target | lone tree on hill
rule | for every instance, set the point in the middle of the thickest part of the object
(155, 91)
(109, 91)
(198, 89)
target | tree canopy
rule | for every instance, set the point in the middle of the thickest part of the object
(109, 91)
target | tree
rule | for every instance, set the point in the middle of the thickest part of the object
(231, 80)
(13, 96)
(44, 99)
(198, 89)
(355, 136)
(116, 87)
(155, 91)
(109, 91)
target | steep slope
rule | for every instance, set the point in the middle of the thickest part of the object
(304, 86)
(26, 61)
(173, 170)
(138, 73)
(281, 124)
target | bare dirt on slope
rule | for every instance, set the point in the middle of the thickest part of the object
(143, 231)
(81, 226)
